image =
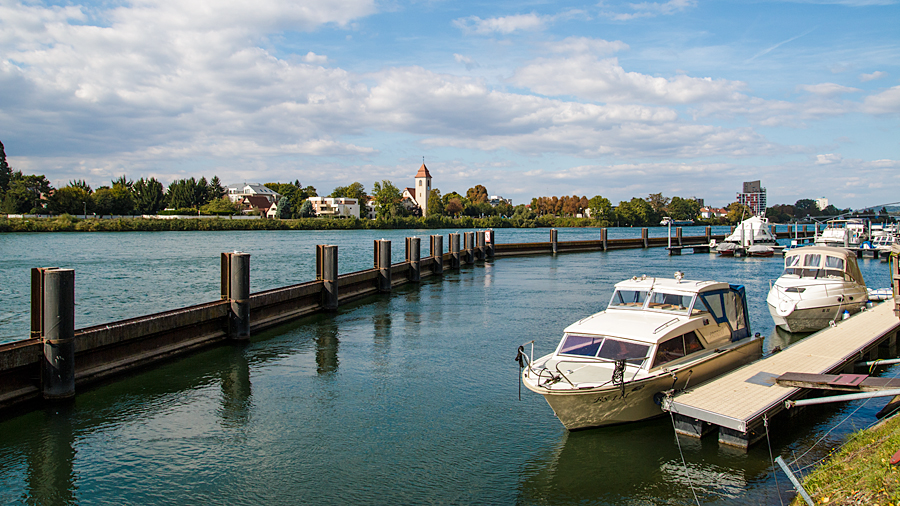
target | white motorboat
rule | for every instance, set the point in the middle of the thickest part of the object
(818, 284)
(753, 231)
(882, 238)
(843, 233)
(673, 222)
(655, 335)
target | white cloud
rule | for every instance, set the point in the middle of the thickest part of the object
(588, 78)
(469, 63)
(311, 57)
(873, 76)
(649, 9)
(827, 89)
(578, 45)
(828, 159)
(502, 25)
(886, 102)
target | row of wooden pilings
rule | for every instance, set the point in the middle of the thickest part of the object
(53, 296)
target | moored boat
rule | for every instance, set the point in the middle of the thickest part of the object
(655, 335)
(843, 233)
(817, 285)
(753, 231)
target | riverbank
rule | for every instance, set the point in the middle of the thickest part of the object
(67, 223)
(861, 471)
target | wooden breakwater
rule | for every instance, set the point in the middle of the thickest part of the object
(57, 358)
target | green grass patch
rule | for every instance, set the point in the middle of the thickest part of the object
(860, 472)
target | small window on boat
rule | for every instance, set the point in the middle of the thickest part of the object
(692, 344)
(669, 351)
(633, 353)
(628, 298)
(812, 260)
(585, 346)
(670, 302)
(792, 261)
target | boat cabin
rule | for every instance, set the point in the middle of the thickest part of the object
(651, 321)
(822, 262)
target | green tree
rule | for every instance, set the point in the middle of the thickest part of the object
(215, 190)
(658, 203)
(435, 204)
(24, 194)
(5, 171)
(636, 212)
(123, 181)
(453, 195)
(477, 195)
(453, 207)
(222, 205)
(70, 200)
(186, 193)
(115, 200)
(683, 209)
(148, 196)
(81, 183)
(737, 212)
(504, 209)
(306, 210)
(355, 191)
(601, 209)
(806, 207)
(387, 199)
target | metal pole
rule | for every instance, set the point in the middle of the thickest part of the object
(454, 251)
(239, 296)
(328, 259)
(678, 235)
(489, 238)
(603, 237)
(470, 248)
(553, 240)
(58, 324)
(797, 486)
(479, 245)
(840, 398)
(645, 236)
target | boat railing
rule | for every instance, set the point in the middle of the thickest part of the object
(793, 289)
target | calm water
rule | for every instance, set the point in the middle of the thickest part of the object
(402, 399)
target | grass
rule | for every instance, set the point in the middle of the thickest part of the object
(859, 472)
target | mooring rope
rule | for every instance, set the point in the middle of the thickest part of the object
(772, 458)
(684, 462)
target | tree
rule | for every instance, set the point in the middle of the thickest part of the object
(806, 207)
(187, 193)
(477, 195)
(5, 171)
(70, 200)
(148, 196)
(453, 207)
(737, 212)
(658, 203)
(81, 183)
(636, 212)
(504, 209)
(115, 200)
(122, 180)
(435, 204)
(601, 209)
(387, 199)
(24, 193)
(215, 190)
(355, 191)
(222, 205)
(683, 209)
(306, 210)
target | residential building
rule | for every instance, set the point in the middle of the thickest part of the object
(237, 192)
(335, 207)
(259, 203)
(821, 203)
(496, 200)
(712, 212)
(754, 197)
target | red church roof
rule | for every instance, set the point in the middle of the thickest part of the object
(423, 172)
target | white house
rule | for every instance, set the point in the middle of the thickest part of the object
(335, 207)
(237, 192)
(712, 212)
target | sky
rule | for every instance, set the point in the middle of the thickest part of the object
(529, 98)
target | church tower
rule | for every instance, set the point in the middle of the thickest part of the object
(423, 188)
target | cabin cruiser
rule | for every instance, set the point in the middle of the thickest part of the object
(843, 233)
(751, 235)
(670, 221)
(818, 285)
(882, 237)
(655, 335)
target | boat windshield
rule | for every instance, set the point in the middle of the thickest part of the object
(628, 298)
(608, 348)
(812, 266)
(677, 302)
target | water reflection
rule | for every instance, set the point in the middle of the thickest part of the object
(326, 338)
(382, 327)
(50, 477)
(236, 388)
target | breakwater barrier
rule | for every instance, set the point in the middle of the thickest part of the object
(56, 359)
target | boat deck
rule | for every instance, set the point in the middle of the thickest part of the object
(737, 402)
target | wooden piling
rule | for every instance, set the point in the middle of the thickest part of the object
(437, 254)
(58, 333)
(383, 264)
(413, 253)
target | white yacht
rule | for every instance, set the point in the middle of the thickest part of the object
(655, 335)
(818, 284)
(752, 235)
(843, 233)
(882, 237)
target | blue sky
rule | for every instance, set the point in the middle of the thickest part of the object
(686, 97)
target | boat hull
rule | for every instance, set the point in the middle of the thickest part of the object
(813, 318)
(598, 407)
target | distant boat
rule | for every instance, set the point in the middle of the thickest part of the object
(678, 223)
(753, 231)
(843, 233)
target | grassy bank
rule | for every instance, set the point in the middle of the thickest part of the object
(861, 472)
(66, 223)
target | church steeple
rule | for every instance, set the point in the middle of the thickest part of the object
(423, 188)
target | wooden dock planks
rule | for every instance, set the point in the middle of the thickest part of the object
(740, 399)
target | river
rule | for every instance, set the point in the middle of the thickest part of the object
(403, 399)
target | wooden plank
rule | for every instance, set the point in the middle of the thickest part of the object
(829, 382)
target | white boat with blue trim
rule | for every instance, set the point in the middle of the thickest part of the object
(655, 335)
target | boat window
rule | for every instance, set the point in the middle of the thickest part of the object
(585, 346)
(792, 261)
(669, 351)
(614, 349)
(812, 260)
(628, 298)
(692, 344)
(834, 267)
(670, 301)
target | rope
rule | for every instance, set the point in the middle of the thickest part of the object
(774, 465)
(684, 462)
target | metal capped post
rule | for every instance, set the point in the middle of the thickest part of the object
(454, 251)
(469, 250)
(327, 272)
(553, 240)
(489, 238)
(238, 275)
(479, 245)
(603, 239)
(645, 237)
(678, 235)
(413, 252)
(383, 264)
(57, 327)
(437, 254)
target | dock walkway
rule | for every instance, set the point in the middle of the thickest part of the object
(738, 402)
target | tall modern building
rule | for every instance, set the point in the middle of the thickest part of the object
(754, 197)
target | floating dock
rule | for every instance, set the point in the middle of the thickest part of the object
(740, 402)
